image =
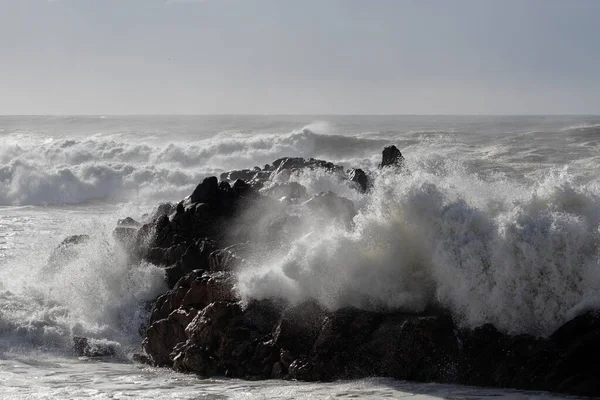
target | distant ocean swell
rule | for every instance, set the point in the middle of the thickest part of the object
(69, 171)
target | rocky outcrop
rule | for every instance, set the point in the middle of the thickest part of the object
(391, 157)
(359, 177)
(86, 347)
(200, 325)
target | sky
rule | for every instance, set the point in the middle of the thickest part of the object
(299, 57)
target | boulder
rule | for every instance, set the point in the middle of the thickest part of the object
(391, 156)
(87, 347)
(206, 192)
(359, 177)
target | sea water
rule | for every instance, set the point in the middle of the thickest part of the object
(494, 218)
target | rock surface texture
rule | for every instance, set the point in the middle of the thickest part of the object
(200, 326)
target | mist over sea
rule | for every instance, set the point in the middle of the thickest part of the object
(495, 218)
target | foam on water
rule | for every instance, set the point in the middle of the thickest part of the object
(497, 221)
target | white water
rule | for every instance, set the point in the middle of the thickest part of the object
(497, 220)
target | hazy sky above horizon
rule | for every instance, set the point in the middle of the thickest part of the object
(299, 57)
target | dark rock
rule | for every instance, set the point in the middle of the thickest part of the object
(141, 358)
(66, 250)
(74, 240)
(359, 177)
(297, 163)
(244, 174)
(195, 257)
(391, 156)
(210, 287)
(241, 187)
(126, 236)
(128, 222)
(95, 348)
(206, 192)
(298, 328)
(226, 259)
(162, 337)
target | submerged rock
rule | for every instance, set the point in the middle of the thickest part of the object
(87, 347)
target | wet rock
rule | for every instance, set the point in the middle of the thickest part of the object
(298, 163)
(244, 174)
(128, 222)
(66, 250)
(359, 177)
(391, 156)
(206, 192)
(298, 328)
(162, 337)
(195, 257)
(226, 259)
(87, 347)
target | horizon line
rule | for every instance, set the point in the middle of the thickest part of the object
(293, 115)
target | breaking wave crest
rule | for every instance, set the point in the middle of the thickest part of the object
(523, 258)
(71, 171)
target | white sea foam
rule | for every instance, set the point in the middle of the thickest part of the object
(520, 257)
(71, 171)
(494, 219)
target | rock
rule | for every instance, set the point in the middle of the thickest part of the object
(162, 337)
(74, 240)
(298, 329)
(334, 353)
(210, 287)
(241, 187)
(297, 163)
(206, 192)
(195, 257)
(128, 222)
(244, 174)
(126, 236)
(226, 259)
(66, 250)
(95, 348)
(359, 177)
(391, 156)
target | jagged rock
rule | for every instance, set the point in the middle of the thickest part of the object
(244, 174)
(128, 222)
(296, 163)
(206, 192)
(241, 187)
(162, 337)
(95, 348)
(226, 259)
(195, 257)
(359, 177)
(298, 329)
(391, 156)
(66, 250)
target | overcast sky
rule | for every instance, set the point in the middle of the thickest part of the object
(300, 56)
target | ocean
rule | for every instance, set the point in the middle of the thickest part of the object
(495, 218)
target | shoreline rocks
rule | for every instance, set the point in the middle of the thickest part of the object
(200, 325)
